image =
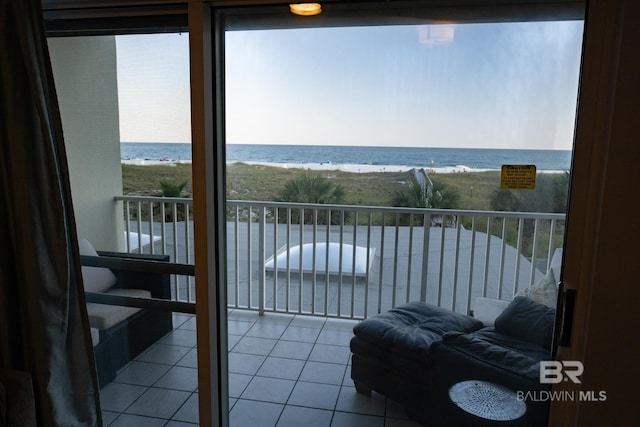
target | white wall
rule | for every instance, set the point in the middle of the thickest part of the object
(85, 75)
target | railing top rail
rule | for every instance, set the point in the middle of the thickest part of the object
(419, 211)
(389, 209)
(155, 199)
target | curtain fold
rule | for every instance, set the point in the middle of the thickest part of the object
(43, 322)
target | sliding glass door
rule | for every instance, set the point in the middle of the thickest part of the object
(373, 160)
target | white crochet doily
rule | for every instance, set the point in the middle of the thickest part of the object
(487, 400)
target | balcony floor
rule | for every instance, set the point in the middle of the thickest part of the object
(284, 370)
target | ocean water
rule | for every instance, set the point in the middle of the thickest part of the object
(475, 158)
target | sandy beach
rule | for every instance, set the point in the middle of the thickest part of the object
(356, 168)
(344, 167)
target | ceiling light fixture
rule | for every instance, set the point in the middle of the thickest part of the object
(305, 9)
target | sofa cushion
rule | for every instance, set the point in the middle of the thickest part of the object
(96, 279)
(103, 316)
(480, 352)
(527, 348)
(527, 320)
(412, 328)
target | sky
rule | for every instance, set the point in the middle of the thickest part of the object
(153, 87)
(507, 85)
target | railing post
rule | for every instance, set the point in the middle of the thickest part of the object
(139, 222)
(425, 257)
(236, 257)
(187, 234)
(262, 279)
(127, 226)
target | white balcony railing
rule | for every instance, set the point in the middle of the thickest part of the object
(353, 261)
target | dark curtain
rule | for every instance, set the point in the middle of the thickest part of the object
(43, 321)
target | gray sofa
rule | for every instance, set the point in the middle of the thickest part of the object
(416, 353)
(421, 355)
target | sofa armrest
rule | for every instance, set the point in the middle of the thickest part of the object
(156, 283)
(464, 357)
(487, 310)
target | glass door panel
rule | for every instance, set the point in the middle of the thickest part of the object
(124, 101)
(376, 161)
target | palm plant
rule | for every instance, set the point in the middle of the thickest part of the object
(435, 195)
(314, 189)
(414, 197)
(173, 189)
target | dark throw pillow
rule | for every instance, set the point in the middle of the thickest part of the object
(527, 320)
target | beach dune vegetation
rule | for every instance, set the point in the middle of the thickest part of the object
(549, 196)
(468, 191)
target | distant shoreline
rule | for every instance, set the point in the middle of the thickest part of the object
(346, 167)
(328, 166)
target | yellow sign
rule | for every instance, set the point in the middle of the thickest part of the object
(518, 177)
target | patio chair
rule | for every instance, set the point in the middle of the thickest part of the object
(124, 332)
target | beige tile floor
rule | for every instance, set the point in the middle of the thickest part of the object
(284, 370)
